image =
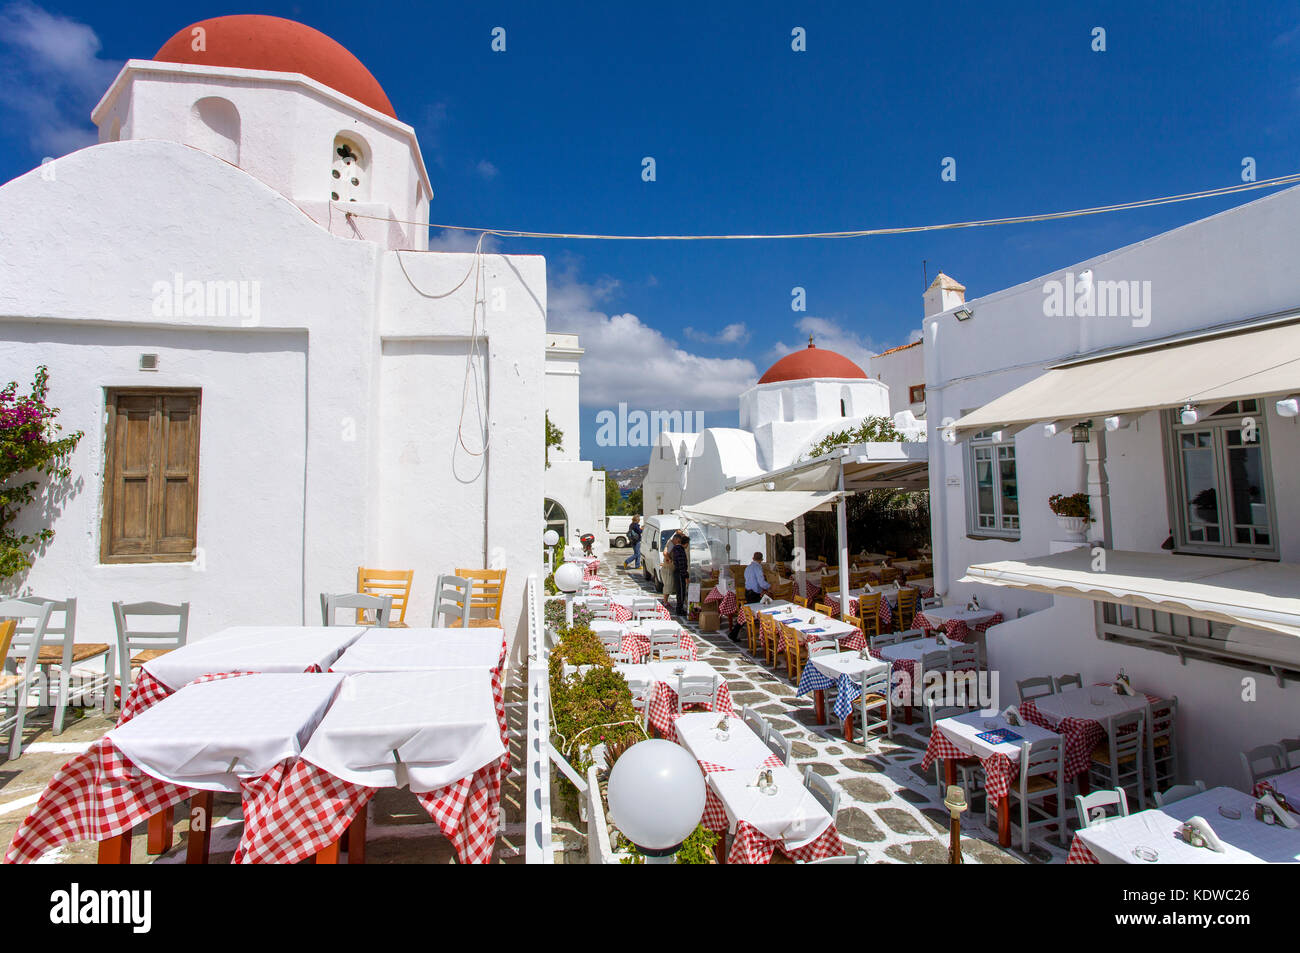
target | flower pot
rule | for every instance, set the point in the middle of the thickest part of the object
(1073, 526)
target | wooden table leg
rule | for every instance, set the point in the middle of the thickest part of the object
(1004, 821)
(196, 847)
(116, 850)
(819, 705)
(329, 854)
(160, 831)
(356, 835)
(949, 772)
(907, 714)
(720, 848)
(848, 728)
(1084, 783)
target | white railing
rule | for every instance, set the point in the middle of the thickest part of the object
(537, 811)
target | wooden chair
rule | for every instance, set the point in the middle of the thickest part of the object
(1042, 779)
(906, 608)
(747, 620)
(854, 621)
(794, 653)
(19, 683)
(488, 587)
(771, 634)
(823, 609)
(875, 704)
(147, 642)
(1178, 792)
(869, 613)
(1029, 688)
(800, 601)
(386, 582)
(60, 649)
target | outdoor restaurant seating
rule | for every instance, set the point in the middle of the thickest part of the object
(1061, 683)
(1270, 756)
(1042, 778)
(756, 722)
(1037, 687)
(23, 663)
(1092, 807)
(60, 650)
(1178, 792)
(820, 788)
(451, 602)
(876, 705)
(1162, 744)
(1120, 760)
(148, 642)
(778, 742)
(381, 606)
(386, 582)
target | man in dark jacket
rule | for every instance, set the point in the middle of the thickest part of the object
(634, 536)
(681, 569)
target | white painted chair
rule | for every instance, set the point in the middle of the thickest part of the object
(674, 654)
(451, 604)
(146, 630)
(696, 690)
(911, 635)
(645, 607)
(963, 657)
(22, 661)
(778, 743)
(382, 606)
(1162, 744)
(1120, 760)
(1291, 751)
(1092, 807)
(817, 648)
(1062, 683)
(756, 722)
(60, 650)
(666, 640)
(600, 607)
(612, 639)
(875, 704)
(857, 857)
(1042, 776)
(1178, 792)
(1037, 687)
(1272, 758)
(825, 793)
(886, 638)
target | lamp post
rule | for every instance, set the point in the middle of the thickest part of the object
(955, 802)
(656, 797)
(568, 579)
(549, 539)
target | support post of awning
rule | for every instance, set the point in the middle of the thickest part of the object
(800, 557)
(842, 536)
(1098, 489)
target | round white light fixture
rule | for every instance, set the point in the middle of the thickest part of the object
(1288, 407)
(568, 578)
(656, 795)
(550, 537)
(1189, 415)
(948, 435)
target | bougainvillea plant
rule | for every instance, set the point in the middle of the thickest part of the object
(30, 446)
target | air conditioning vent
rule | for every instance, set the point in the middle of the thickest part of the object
(148, 362)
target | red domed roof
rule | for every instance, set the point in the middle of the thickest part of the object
(253, 41)
(812, 362)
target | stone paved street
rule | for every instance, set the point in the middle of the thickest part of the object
(887, 807)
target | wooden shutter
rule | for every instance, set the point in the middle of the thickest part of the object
(151, 476)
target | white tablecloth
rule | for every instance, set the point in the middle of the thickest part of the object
(212, 734)
(1092, 702)
(910, 651)
(964, 730)
(742, 751)
(1287, 784)
(422, 729)
(643, 675)
(833, 630)
(791, 815)
(835, 664)
(972, 617)
(254, 648)
(413, 650)
(1247, 840)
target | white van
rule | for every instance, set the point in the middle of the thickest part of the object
(618, 527)
(658, 531)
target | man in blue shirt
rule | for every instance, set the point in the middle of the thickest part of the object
(634, 534)
(755, 585)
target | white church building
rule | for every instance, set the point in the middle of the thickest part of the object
(575, 490)
(277, 381)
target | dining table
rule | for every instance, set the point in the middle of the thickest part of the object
(1083, 716)
(1286, 784)
(660, 680)
(781, 816)
(1149, 837)
(957, 622)
(998, 746)
(903, 659)
(811, 625)
(843, 671)
(263, 649)
(884, 611)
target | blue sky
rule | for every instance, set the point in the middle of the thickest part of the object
(751, 136)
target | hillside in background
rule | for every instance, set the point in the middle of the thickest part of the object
(629, 479)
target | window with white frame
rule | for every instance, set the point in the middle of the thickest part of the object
(993, 498)
(1219, 482)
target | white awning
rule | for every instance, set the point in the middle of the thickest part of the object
(1209, 368)
(900, 465)
(1259, 595)
(757, 511)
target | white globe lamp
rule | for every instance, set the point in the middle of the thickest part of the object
(656, 797)
(568, 579)
(549, 539)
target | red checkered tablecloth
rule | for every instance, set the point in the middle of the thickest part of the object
(727, 602)
(1079, 853)
(955, 629)
(1081, 735)
(999, 770)
(638, 646)
(623, 612)
(590, 567)
(749, 846)
(663, 707)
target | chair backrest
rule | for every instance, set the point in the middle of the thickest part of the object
(963, 656)
(936, 661)
(756, 722)
(488, 588)
(823, 647)
(1178, 792)
(1092, 807)
(696, 689)
(611, 639)
(1126, 735)
(1062, 682)
(1044, 756)
(386, 582)
(62, 624)
(1036, 687)
(451, 602)
(382, 606)
(932, 602)
(874, 683)
(821, 789)
(935, 712)
(778, 744)
(665, 638)
(133, 633)
(857, 857)
(823, 608)
(907, 635)
(869, 604)
(1290, 750)
(31, 619)
(1272, 756)
(888, 638)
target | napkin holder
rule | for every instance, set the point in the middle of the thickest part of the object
(766, 600)
(1122, 686)
(1198, 833)
(722, 724)
(1268, 810)
(1012, 716)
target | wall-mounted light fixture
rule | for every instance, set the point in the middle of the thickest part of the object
(948, 435)
(1189, 415)
(1081, 432)
(963, 314)
(1288, 407)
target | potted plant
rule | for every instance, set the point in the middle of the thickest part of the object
(1073, 512)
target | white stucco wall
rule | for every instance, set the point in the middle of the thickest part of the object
(782, 415)
(900, 370)
(1227, 268)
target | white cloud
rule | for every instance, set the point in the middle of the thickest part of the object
(736, 333)
(628, 360)
(832, 336)
(52, 76)
(486, 170)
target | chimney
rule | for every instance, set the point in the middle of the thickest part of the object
(944, 294)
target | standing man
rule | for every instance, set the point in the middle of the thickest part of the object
(634, 534)
(755, 585)
(681, 569)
